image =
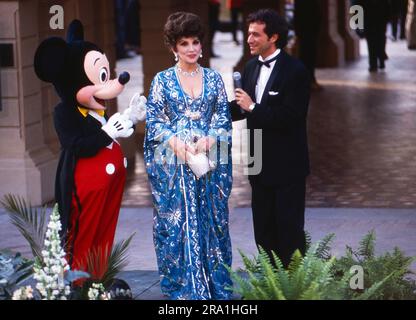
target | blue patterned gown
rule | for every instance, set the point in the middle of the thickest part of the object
(190, 230)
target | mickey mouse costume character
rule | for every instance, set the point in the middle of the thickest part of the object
(92, 169)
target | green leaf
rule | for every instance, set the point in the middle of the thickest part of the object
(29, 222)
(367, 244)
(324, 247)
(104, 267)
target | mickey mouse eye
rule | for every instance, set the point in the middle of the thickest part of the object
(103, 75)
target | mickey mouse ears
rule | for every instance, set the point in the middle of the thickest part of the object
(75, 31)
(50, 59)
(52, 53)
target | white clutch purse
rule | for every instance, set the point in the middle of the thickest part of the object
(199, 164)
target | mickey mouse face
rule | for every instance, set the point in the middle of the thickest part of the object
(96, 67)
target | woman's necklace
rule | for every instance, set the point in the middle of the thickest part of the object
(193, 115)
(186, 73)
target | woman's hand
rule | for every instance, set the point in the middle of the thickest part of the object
(204, 144)
(180, 148)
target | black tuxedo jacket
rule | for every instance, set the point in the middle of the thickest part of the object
(281, 115)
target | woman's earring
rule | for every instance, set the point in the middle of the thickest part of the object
(200, 55)
(176, 56)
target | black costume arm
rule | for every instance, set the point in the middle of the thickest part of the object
(70, 132)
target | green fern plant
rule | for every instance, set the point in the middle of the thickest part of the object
(367, 246)
(305, 278)
(391, 270)
(319, 275)
(308, 240)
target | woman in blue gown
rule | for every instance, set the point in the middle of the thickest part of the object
(188, 132)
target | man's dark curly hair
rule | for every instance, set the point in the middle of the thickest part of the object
(182, 24)
(274, 24)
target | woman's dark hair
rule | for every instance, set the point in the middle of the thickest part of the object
(274, 24)
(182, 24)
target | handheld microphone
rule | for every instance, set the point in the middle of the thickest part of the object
(238, 85)
(237, 80)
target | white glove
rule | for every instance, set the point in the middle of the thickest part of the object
(118, 126)
(137, 108)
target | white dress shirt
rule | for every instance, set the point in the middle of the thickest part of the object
(103, 122)
(97, 116)
(264, 75)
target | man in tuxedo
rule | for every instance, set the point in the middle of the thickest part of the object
(274, 98)
(376, 17)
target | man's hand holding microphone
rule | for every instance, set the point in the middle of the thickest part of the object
(241, 97)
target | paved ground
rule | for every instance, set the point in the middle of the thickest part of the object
(393, 227)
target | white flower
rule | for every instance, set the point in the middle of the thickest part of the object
(29, 292)
(25, 293)
(106, 296)
(97, 292)
(50, 274)
(17, 295)
(92, 294)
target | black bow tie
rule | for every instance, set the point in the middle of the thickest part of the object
(267, 62)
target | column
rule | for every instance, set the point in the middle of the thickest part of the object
(351, 40)
(331, 52)
(27, 165)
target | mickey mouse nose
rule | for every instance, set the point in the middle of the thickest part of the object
(124, 78)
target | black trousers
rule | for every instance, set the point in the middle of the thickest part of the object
(279, 218)
(376, 42)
